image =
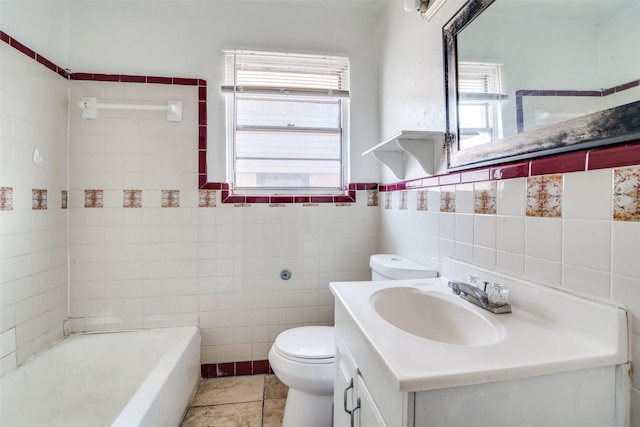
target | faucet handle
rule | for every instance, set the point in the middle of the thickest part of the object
(498, 294)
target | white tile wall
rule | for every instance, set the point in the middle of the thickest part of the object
(218, 268)
(585, 251)
(33, 243)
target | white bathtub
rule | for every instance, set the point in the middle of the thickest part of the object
(118, 379)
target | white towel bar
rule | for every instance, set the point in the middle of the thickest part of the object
(89, 107)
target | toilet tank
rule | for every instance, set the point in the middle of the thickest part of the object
(396, 267)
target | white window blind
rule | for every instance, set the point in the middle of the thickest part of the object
(287, 127)
(286, 73)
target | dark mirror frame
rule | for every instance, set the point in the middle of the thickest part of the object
(612, 126)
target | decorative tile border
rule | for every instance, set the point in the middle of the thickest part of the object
(484, 197)
(207, 198)
(544, 196)
(447, 201)
(6, 198)
(387, 200)
(93, 198)
(131, 198)
(64, 203)
(403, 200)
(170, 198)
(372, 197)
(38, 199)
(626, 194)
(627, 154)
(422, 200)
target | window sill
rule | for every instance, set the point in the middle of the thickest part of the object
(349, 196)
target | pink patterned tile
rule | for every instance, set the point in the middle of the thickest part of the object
(38, 199)
(170, 198)
(403, 200)
(626, 194)
(387, 200)
(544, 196)
(484, 197)
(93, 198)
(6, 198)
(372, 197)
(448, 200)
(207, 198)
(131, 198)
(422, 200)
(65, 200)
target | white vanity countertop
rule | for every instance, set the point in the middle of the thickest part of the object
(584, 334)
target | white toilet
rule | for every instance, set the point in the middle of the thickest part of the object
(303, 358)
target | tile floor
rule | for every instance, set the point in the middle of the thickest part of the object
(244, 401)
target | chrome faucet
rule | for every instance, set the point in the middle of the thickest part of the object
(477, 296)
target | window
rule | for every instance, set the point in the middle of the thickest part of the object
(480, 87)
(286, 125)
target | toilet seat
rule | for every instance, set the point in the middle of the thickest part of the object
(307, 344)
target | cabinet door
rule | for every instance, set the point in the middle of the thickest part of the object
(343, 388)
(368, 415)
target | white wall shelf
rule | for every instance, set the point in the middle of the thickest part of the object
(417, 144)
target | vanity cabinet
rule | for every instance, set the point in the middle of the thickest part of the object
(353, 404)
(588, 397)
(362, 387)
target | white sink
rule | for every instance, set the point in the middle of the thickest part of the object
(435, 317)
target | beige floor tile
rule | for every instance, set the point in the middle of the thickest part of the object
(232, 415)
(215, 391)
(273, 412)
(274, 389)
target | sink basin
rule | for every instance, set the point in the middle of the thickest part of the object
(435, 317)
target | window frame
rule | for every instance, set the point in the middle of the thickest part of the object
(231, 129)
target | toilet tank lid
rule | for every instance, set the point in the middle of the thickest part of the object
(398, 267)
(307, 342)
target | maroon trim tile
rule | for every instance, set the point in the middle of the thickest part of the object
(202, 138)
(202, 181)
(234, 199)
(475, 175)
(160, 80)
(514, 170)
(571, 162)
(301, 199)
(202, 161)
(367, 186)
(22, 48)
(209, 370)
(185, 81)
(352, 194)
(244, 368)
(44, 61)
(451, 178)
(261, 367)
(125, 78)
(226, 369)
(610, 157)
(257, 199)
(202, 93)
(321, 199)
(281, 199)
(5, 37)
(343, 199)
(202, 113)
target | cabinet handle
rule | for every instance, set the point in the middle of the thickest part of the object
(352, 413)
(346, 391)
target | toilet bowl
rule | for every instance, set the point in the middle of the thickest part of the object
(303, 357)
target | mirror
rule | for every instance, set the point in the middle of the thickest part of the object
(527, 78)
